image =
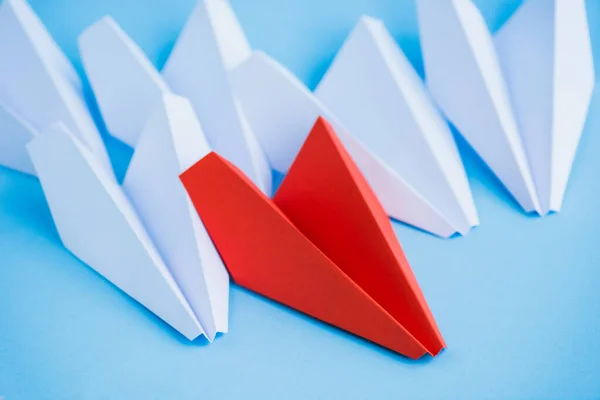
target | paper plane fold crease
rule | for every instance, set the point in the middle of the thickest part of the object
(125, 83)
(464, 77)
(281, 111)
(38, 82)
(324, 245)
(546, 56)
(378, 96)
(211, 44)
(171, 142)
(99, 226)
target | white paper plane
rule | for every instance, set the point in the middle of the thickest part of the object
(211, 44)
(38, 82)
(546, 55)
(464, 77)
(14, 136)
(171, 142)
(99, 226)
(282, 111)
(125, 82)
(378, 96)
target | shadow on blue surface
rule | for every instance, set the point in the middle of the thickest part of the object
(317, 324)
(22, 201)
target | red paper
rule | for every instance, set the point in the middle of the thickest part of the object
(324, 246)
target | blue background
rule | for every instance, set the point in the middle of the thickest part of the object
(517, 299)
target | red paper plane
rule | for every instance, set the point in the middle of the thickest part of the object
(323, 246)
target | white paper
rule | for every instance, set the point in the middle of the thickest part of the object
(125, 82)
(98, 225)
(38, 82)
(464, 77)
(282, 111)
(546, 56)
(14, 136)
(378, 96)
(171, 142)
(210, 45)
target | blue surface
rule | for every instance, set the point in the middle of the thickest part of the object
(517, 300)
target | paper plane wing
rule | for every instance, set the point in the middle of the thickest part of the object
(125, 82)
(98, 225)
(14, 136)
(326, 197)
(171, 142)
(546, 56)
(281, 110)
(38, 82)
(464, 77)
(275, 259)
(393, 116)
(210, 45)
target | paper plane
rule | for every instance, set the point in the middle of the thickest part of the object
(313, 244)
(38, 82)
(99, 226)
(546, 56)
(125, 82)
(464, 77)
(171, 142)
(281, 111)
(14, 136)
(211, 44)
(393, 116)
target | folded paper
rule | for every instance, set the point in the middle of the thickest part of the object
(211, 44)
(15, 133)
(546, 56)
(170, 143)
(378, 96)
(38, 82)
(99, 226)
(464, 77)
(281, 110)
(125, 82)
(313, 244)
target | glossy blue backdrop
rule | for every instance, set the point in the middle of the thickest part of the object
(517, 300)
